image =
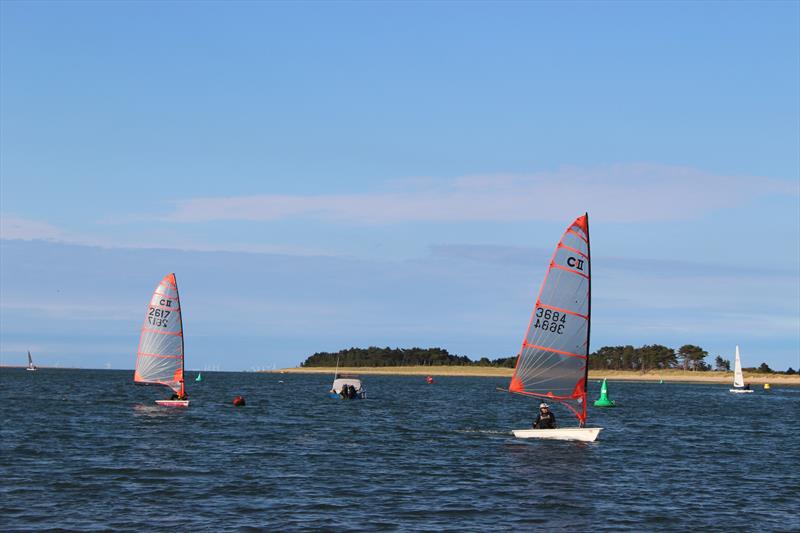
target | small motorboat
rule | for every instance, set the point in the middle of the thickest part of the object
(346, 381)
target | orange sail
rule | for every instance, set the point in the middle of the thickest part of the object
(159, 358)
(553, 361)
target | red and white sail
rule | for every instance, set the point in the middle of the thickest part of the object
(553, 361)
(159, 358)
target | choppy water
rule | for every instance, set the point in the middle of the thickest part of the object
(88, 450)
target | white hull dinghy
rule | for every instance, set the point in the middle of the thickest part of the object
(581, 434)
(553, 363)
(159, 359)
(738, 377)
(173, 403)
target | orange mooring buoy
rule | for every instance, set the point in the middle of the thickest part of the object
(429, 380)
(239, 401)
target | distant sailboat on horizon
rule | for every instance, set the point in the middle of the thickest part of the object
(553, 363)
(738, 377)
(159, 359)
(31, 367)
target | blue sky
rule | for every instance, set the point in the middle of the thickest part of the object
(326, 175)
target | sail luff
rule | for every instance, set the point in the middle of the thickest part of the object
(182, 392)
(589, 317)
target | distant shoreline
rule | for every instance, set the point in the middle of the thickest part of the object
(613, 375)
(671, 376)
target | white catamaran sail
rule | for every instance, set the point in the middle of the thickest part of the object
(553, 361)
(31, 366)
(159, 358)
(738, 378)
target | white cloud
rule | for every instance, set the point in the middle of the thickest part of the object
(19, 228)
(621, 193)
(81, 312)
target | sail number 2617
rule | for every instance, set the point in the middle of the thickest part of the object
(157, 317)
(549, 320)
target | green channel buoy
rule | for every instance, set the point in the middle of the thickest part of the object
(603, 400)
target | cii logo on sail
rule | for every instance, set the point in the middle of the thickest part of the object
(575, 263)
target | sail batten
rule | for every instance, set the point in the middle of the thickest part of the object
(553, 359)
(159, 358)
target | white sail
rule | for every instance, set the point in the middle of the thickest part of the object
(553, 360)
(738, 378)
(160, 354)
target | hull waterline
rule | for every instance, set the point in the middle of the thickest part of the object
(581, 434)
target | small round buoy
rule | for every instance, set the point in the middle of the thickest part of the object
(766, 386)
(239, 401)
(429, 379)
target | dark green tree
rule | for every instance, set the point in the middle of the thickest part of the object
(692, 357)
(722, 364)
(654, 356)
(764, 368)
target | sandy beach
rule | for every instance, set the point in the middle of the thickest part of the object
(613, 375)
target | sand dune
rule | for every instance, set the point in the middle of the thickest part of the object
(615, 375)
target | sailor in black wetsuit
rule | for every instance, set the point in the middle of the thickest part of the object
(546, 419)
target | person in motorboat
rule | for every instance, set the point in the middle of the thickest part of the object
(546, 419)
(345, 392)
(353, 393)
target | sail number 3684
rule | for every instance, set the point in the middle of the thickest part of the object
(157, 317)
(549, 320)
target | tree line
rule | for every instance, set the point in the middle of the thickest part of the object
(658, 357)
(375, 356)
(643, 359)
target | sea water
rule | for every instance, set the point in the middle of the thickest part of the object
(87, 450)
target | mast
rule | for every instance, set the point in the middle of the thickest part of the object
(589, 321)
(183, 346)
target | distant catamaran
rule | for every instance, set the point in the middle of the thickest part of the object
(553, 361)
(738, 377)
(159, 359)
(31, 366)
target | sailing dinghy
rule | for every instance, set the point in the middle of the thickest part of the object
(31, 367)
(738, 378)
(159, 359)
(553, 361)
